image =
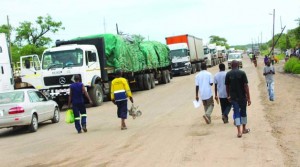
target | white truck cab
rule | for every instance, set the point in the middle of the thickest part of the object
(179, 53)
(54, 73)
(6, 71)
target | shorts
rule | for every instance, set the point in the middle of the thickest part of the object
(122, 109)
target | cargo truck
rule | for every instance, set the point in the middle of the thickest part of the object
(95, 58)
(6, 71)
(186, 52)
(214, 54)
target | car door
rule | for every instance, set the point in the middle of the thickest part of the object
(48, 106)
(38, 107)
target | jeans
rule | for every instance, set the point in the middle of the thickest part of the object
(239, 111)
(225, 106)
(270, 86)
(79, 110)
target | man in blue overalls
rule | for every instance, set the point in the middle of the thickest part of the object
(77, 90)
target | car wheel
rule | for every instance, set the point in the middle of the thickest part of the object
(34, 124)
(56, 116)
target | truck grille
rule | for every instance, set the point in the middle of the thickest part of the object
(58, 80)
(177, 65)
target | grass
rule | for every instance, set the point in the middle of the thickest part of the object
(292, 66)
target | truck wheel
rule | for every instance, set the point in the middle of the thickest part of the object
(56, 116)
(164, 77)
(168, 76)
(152, 79)
(198, 66)
(96, 95)
(140, 82)
(193, 68)
(147, 81)
(34, 124)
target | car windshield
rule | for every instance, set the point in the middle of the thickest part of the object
(11, 97)
(234, 56)
(178, 53)
(61, 59)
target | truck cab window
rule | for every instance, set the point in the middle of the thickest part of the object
(90, 57)
(0, 49)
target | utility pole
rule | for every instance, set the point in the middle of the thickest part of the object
(117, 28)
(9, 43)
(273, 30)
(104, 25)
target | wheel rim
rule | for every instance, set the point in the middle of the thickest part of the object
(56, 115)
(99, 95)
(34, 122)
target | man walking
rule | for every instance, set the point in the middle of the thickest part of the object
(77, 90)
(269, 71)
(204, 81)
(220, 88)
(120, 90)
(238, 94)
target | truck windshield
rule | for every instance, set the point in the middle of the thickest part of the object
(213, 51)
(206, 51)
(61, 59)
(178, 53)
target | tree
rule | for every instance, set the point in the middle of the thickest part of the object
(32, 35)
(218, 41)
(6, 30)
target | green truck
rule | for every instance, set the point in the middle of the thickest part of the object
(96, 58)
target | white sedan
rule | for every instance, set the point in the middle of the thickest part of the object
(26, 107)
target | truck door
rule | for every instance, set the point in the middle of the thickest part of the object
(31, 72)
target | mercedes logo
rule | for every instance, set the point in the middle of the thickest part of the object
(62, 80)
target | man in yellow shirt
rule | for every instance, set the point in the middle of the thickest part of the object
(120, 90)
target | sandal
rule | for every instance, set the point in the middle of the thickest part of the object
(246, 131)
(239, 135)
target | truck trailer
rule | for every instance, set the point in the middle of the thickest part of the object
(186, 52)
(6, 71)
(95, 58)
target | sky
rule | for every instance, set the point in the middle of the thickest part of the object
(239, 21)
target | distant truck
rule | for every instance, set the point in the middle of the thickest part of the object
(6, 71)
(186, 52)
(95, 58)
(214, 54)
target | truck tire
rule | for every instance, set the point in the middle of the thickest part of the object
(152, 79)
(140, 82)
(96, 94)
(193, 68)
(164, 77)
(168, 76)
(198, 66)
(147, 81)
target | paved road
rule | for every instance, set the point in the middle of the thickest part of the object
(169, 133)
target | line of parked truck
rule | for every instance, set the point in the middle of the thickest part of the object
(95, 58)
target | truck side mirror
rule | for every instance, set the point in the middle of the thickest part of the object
(27, 64)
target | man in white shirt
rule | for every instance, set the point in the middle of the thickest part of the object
(269, 72)
(204, 81)
(220, 88)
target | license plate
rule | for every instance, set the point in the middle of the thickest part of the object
(1, 113)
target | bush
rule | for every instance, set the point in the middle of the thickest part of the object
(289, 65)
(296, 69)
(280, 56)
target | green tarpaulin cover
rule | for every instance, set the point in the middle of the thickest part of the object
(129, 55)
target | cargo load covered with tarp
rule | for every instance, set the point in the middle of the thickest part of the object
(132, 56)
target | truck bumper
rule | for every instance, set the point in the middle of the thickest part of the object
(181, 71)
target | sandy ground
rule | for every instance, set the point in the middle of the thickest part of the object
(171, 132)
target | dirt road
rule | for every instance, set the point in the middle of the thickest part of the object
(171, 132)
